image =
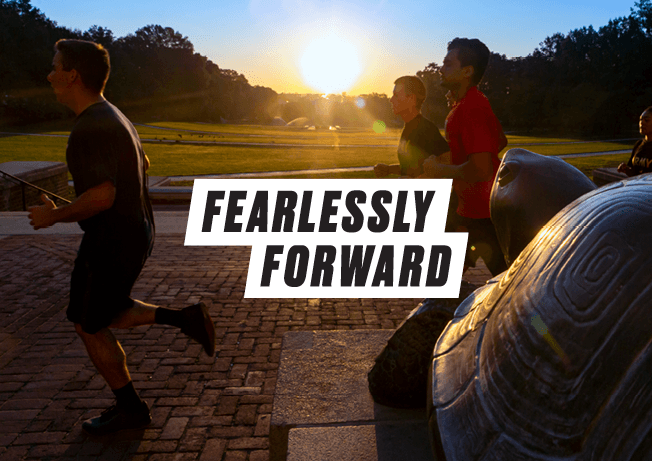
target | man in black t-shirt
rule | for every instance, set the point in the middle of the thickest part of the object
(420, 137)
(108, 167)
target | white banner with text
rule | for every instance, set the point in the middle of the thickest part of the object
(334, 238)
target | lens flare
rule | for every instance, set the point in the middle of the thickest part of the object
(542, 329)
(379, 126)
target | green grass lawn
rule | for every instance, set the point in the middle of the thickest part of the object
(587, 164)
(267, 134)
(169, 160)
(330, 175)
(299, 138)
(178, 159)
(32, 148)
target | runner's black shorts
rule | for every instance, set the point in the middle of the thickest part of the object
(105, 272)
(483, 242)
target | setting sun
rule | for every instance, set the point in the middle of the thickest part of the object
(330, 64)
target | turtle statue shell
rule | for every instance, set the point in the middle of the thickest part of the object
(553, 361)
(528, 190)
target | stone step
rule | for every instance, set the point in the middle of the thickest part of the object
(322, 407)
(161, 193)
(158, 181)
(170, 195)
(152, 181)
(602, 176)
(17, 223)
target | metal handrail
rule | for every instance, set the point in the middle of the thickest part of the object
(25, 183)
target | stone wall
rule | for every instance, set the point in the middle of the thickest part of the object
(51, 176)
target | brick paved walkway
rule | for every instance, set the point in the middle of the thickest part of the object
(203, 409)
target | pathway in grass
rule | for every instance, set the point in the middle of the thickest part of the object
(594, 154)
(610, 158)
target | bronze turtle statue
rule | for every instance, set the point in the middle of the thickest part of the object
(528, 191)
(553, 359)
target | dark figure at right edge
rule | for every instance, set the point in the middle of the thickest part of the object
(641, 160)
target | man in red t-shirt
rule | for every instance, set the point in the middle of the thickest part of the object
(475, 138)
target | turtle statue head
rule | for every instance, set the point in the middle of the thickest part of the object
(529, 189)
(553, 361)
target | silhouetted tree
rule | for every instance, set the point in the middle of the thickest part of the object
(155, 72)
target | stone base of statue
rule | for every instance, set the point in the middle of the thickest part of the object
(322, 407)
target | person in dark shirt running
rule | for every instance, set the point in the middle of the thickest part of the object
(641, 160)
(108, 165)
(420, 138)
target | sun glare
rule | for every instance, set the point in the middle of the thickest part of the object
(330, 65)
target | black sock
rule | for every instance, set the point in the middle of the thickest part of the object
(128, 398)
(164, 316)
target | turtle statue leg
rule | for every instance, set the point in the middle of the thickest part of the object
(399, 377)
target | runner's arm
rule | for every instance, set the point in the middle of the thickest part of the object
(88, 204)
(382, 169)
(477, 168)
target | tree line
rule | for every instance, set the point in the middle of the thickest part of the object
(594, 82)
(155, 73)
(587, 81)
(338, 109)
